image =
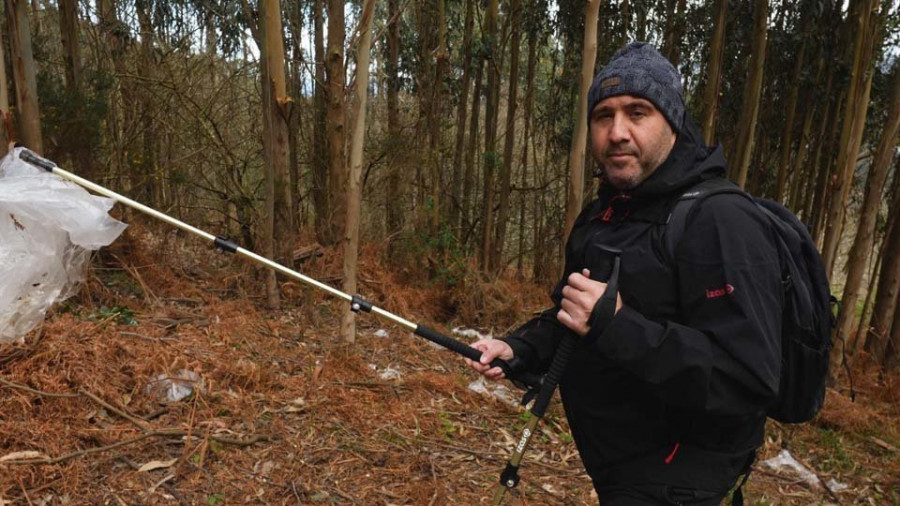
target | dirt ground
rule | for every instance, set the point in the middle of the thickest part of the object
(282, 412)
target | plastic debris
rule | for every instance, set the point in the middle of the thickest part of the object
(175, 387)
(785, 461)
(836, 486)
(381, 333)
(390, 374)
(471, 333)
(48, 228)
(494, 390)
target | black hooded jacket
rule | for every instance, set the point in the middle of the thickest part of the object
(674, 390)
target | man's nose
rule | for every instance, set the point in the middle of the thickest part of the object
(618, 129)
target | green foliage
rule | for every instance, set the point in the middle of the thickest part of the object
(121, 315)
(216, 499)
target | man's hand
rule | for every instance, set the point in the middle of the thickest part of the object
(490, 349)
(579, 297)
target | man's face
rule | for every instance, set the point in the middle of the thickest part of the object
(630, 138)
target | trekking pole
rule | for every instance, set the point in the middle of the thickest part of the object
(357, 303)
(607, 271)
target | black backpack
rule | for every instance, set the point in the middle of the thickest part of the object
(807, 315)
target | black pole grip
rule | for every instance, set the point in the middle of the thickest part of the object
(475, 355)
(30, 157)
(553, 376)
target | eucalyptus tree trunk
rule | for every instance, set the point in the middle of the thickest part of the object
(276, 111)
(510, 140)
(526, 141)
(714, 72)
(334, 119)
(319, 150)
(888, 280)
(457, 218)
(354, 192)
(68, 31)
(492, 58)
(787, 140)
(855, 113)
(395, 190)
(574, 201)
(743, 148)
(468, 213)
(24, 74)
(878, 171)
(803, 175)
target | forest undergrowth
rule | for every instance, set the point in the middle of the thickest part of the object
(281, 411)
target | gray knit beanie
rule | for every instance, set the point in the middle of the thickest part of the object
(638, 69)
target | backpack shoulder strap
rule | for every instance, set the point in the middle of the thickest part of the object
(686, 206)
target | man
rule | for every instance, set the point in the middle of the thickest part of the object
(667, 405)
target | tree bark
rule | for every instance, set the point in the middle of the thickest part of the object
(24, 74)
(787, 141)
(469, 178)
(526, 137)
(68, 31)
(510, 139)
(354, 192)
(319, 150)
(714, 74)
(855, 114)
(752, 93)
(456, 215)
(888, 279)
(574, 201)
(337, 169)
(276, 111)
(492, 60)
(395, 190)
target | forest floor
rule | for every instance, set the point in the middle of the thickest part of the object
(283, 412)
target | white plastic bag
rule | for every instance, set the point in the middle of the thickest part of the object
(48, 227)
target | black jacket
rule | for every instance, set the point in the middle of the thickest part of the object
(675, 389)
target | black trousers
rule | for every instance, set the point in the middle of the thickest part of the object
(653, 495)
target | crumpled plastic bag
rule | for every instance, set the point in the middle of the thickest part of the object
(48, 228)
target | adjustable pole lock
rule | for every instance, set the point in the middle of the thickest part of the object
(224, 244)
(358, 304)
(509, 478)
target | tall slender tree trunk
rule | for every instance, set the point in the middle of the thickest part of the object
(803, 175)
(510, 140)
(526, 141)
(492, 62)
(276, 112)
(24, 74)
(787, 141)
(395, 190)
(574, 201)
(334, 119)
(878, 171)
(68, 31)
(456, 215)
(888, 280)
(752, 93)
(855, 113)
(354, 192)
(468, 214)
(714, 74)
(319, 151)
(295, 89)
